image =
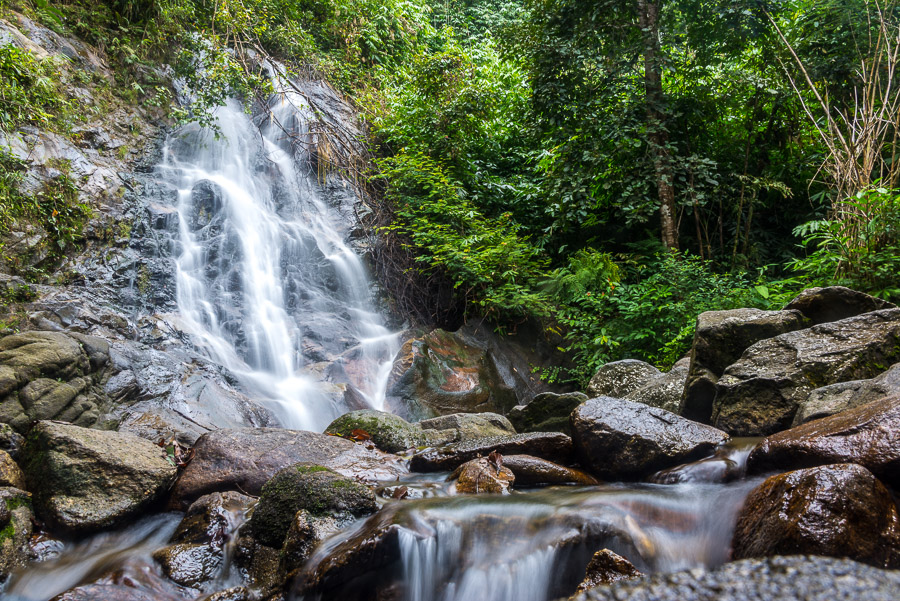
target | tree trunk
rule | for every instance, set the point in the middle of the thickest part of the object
(648, 19)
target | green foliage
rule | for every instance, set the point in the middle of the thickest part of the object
(55, 207)
(649, 314)
(490, 266)
(861, 253)
(29, 93)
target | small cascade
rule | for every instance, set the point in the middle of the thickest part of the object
(267, 283)
(528, 546)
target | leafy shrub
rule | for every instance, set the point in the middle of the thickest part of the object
(28, 91)
(861, 250)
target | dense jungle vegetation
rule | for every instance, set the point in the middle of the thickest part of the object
(610, 168)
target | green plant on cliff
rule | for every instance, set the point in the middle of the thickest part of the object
(29, 91)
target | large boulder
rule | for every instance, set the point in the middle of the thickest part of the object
(835, 398)
(15, 529)
(868, 436)
(720, 338)
(664, 391)
(445, 372)
(553, 446)
(794, 578)
(85, 479)
(616, 438)
(618, 378)
(760, 393)
(836, 510)
(244, 459)
(318, 490)
(388, 432)
(546, 412)
(821, 305)
(51, 375)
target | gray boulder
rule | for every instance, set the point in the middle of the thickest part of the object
(761, 393)
(794, 578)
(244, 459)
(465, 426)
(720, 338)
(618, 378)
(546, 412)
(821, 305)
(85, 479)
(51, 375)
(835, 398)
(664, 391)
(620, 439)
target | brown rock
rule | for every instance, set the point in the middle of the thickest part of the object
(10, 474)
(189, 564)
(607, 567)
(553, 446)
(530, 470)
(482, 476)
(243, 459)
(833, 510)
(868, 435)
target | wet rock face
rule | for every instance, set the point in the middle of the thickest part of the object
(212, 518)
(246, 458)
(794, 578)
(619, 378)
(830, 400)
(388, 432)
(444, 372)
(10, 440)
(607, 567)
(761, 393)
(15, 529)
(113, 592)
(721, 337)
(316, 489)
(868, 436)
(532, 471)
(483, 476)
(821, 305)
(86, 479)
(616, 438)
(553, 446)
(51, 375)
(546, 412)
(189, 564)
(834, 510)
(303, 536)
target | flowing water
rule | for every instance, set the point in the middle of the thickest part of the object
(267, 283)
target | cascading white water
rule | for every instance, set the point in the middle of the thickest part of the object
(266, 282)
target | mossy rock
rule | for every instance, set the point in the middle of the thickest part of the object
(319, 490)
(389, 432)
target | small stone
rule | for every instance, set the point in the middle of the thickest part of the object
(607, 567)
(482, 476)
(10, 474)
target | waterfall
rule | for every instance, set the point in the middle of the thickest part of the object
(267, 283)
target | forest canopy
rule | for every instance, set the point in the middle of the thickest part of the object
(609, 168)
